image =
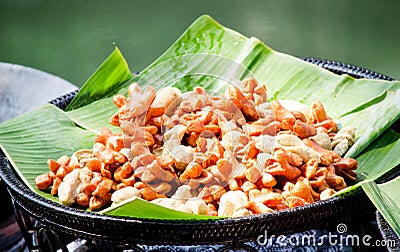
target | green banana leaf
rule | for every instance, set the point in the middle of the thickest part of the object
(208, 55)
(386, 199)
(113, 72)
(30, 139)
(379, 160)
(139, 207)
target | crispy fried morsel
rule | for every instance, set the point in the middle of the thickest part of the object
(124, 194)
(271, 199)
(119, 157)
(56, 184)
(326, 194)
(232, 204)
(281, 113)
(115, 142)
(160, 173)
(288, 122)
(53, 165)
(105, 171)
(43, 181)
(258, 208)
(300, 189)
(163, 99)
(97, 149)
(123, 172)
(119, 100)
(61, 172)
(212, 210)
(253, 129)
(95, 203)
(91, 186)
(205, 195)
(114, 120)
(94, 165)
(52, 175)
(254, 194)
(250, 150)
(343, 140)
(293, 144)
(161, 187)
(193, 170)
(322, 139)
(215, 129)
(268, 180)
(309, 169)
(272, 128)
(247, 186)
(318, 111)
(303, 130)
(293, 158)
(235, 184)
(318, 179)
(252, 173)
(249, 86)
(165, 161)
(346, 167)
(149, 139)
(149, 194)
(222, 169)
(334, 181)
(64, 160)
(151, 129)
(192, 139)
(329, 124)
(216, 192)
(138, 103)
(155, 121)
(105, 133)
(326, 156)
(299, 116)
(103, 187)
(193, 101)
(281, 207)
(255, 92)
(279, 165)
(245, 105)
(294, 201)
(82, 199)
(147, 176)
(129, 181)
(106, 157)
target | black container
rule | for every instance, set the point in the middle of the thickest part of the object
(48, 224)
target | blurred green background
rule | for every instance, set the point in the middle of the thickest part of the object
(72, 38)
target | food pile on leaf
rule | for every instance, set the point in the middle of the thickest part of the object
(233, 155)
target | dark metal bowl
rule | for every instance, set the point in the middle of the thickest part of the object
(66, 223)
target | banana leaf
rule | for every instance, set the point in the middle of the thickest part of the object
(386, 199)
(113, 72)
(30, 139)
(208, 55)
(138, 207)
(378, 161)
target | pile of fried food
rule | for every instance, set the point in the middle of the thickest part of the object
(234, 154)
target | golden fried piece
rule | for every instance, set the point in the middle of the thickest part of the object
(279, 165)
(303, 130)
(346, 167)
(326, 156)
(43, 181)
(245, 105)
